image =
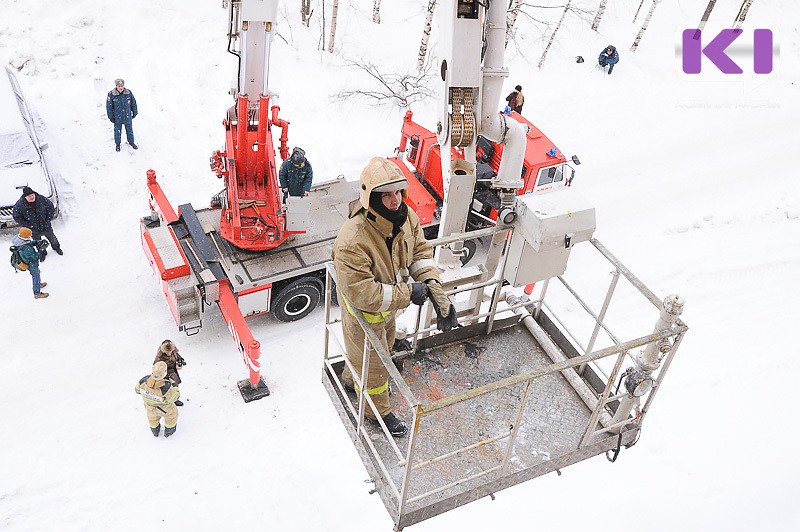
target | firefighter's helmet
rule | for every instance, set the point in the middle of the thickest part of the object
(380, 175)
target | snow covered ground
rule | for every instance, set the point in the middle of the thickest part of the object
(695, 188)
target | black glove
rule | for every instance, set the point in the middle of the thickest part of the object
(419, 291)
(448, 322)
(441, 301)
(181, 361)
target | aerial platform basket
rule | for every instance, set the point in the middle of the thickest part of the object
(519, 391)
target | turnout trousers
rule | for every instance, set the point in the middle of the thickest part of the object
(377, 378)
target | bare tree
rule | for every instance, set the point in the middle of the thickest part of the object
(553, 35)
(737, 24)
(704, 18)
(426, 34)
(600, 11)
(322, 33)
(395, 89)
(514, 7)
(334, 14)
(637, 10)
(305, 12)
(644, 26)
(376, 11)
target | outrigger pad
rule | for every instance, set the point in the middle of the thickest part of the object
(250, 393)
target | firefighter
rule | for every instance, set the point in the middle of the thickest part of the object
(159, 396)
(296, 174)
(379, 248)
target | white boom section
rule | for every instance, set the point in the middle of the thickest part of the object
(255, 28)
(471, 93)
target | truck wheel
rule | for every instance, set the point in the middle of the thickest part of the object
(296, 300)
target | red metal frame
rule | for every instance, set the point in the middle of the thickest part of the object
(253, 217)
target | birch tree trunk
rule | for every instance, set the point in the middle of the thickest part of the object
(426, 34)
(305, 12)
(376, 11)
(637, 10)
(511, 18)
(334, 14)
(742, 14)
(636, 41)
(599, 15)
(704, 19)
(553, 35)
(322, 33)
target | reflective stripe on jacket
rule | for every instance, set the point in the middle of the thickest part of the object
(369, 277)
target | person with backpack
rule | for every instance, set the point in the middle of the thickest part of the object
(25, 256)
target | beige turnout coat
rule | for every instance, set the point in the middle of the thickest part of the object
(374, 281)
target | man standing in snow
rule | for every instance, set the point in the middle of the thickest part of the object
(159, 396)
(29, 254)
(379, 247)
(609, 57)
(121, 110)
(34, 211)
(296, 174)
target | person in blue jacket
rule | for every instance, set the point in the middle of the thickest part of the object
(296, 174)
(121, 110)
(608, 56)
(29, 253)
(35, 211)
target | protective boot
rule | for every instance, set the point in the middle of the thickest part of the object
(178, 403)
(155, 430)
(169, 431)
(396, 427)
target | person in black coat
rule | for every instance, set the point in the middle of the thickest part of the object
(35, 212)
(608, 56)
(121, 110)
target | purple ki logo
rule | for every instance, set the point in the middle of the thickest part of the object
(693, 51)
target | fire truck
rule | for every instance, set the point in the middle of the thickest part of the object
(252, 251)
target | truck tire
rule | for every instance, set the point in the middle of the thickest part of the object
(296, 300)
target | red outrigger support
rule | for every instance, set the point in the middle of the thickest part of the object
(170, 264)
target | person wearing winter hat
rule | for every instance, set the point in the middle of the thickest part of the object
(36, 212)
(29, 254)
(159, 396)
(168, 353)
(296, 174)
(383, 264)
(121, 109)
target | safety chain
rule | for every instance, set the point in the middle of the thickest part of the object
(462, 123)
